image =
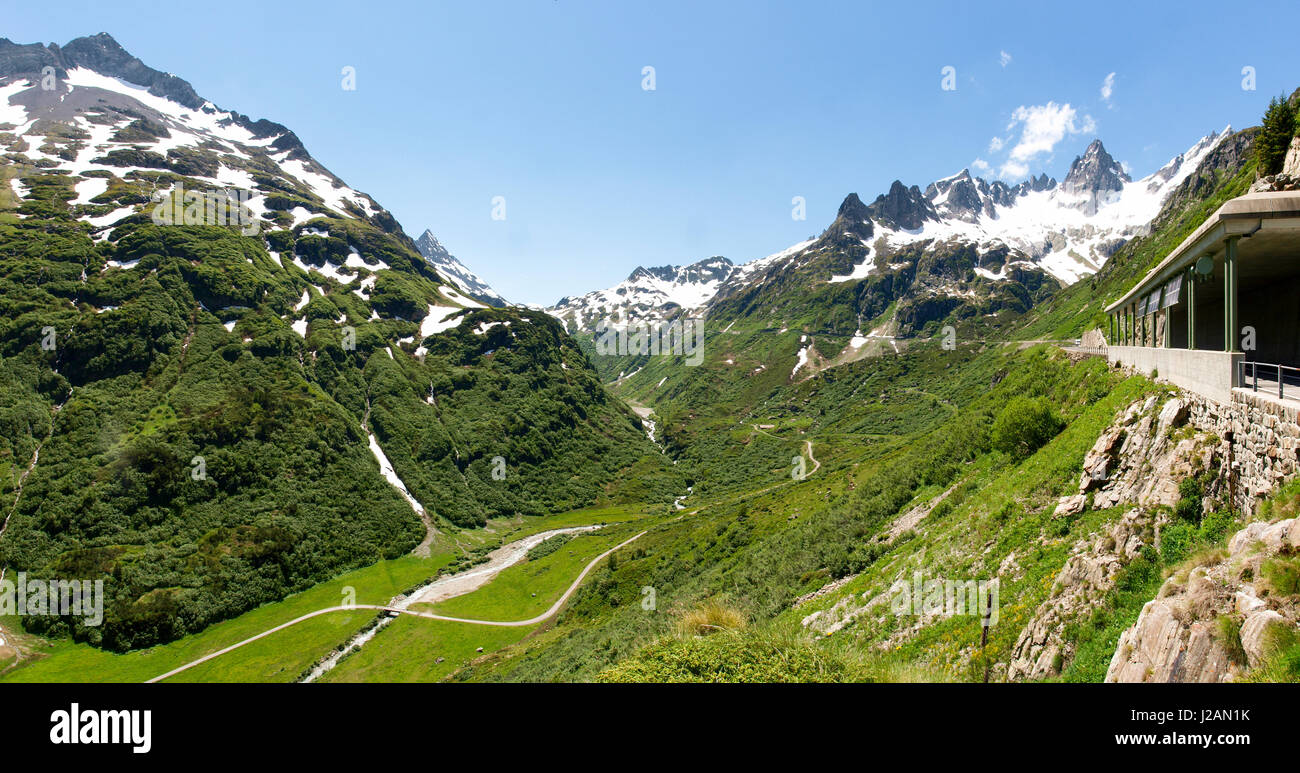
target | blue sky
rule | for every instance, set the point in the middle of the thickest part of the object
(541, 102)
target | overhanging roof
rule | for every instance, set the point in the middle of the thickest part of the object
(1247, 215)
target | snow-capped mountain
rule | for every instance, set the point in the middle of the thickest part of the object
(126, 136)
(1067, 229)
(647, 295)
(129, 118)
(447, 265)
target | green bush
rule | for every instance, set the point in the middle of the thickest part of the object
(1214, 527)
(1025, 425)
(1282, 658)
(1282, 576)
(1188, 507)
(1230, 637)
(731, 656)
(1176, 541)
(548, 546)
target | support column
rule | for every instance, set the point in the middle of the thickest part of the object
(1230, 295)
(1161, 313)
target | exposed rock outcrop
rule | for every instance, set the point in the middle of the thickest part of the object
(1088, 575)
(902, 207)
(1095, 177)
(1251, 446)
(1286, 180)
(1186, 634)
(1138, 461)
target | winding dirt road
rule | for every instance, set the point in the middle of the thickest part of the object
(399, 610)
(807, 446)
(816, 464)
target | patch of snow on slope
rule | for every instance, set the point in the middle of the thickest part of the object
(14, 114)
(327, 269)
(486, 326)
(461, 299)
(109, 219)
(390, 475)
(803, 360)
(207, 119)
(236, 177)
(438, 319)
(860, 271)
(89, 189)
(744, 270)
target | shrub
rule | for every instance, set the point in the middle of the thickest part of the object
(1214, 527)
(1176, 541)
(1282, 576)
(1282, 656)
(548, 546)
(1188, 507)
(710, 617)
(1025, 425)
(741, 657)
(1230, 638)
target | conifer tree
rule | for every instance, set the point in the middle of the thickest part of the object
(1275, 136)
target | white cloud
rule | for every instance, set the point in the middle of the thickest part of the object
(980, 165)
(1005, 58)
(996, 144)
(1012, 170)
(1108, 88)
(1041, 127)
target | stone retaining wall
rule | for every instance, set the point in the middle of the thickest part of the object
(1265, 448)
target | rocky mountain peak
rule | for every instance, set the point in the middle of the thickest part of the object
(852, 208)
(707, 270)
(101, 53)
(962, 196)
(902, 207)
(1095, 171)
(453, 270)
(852, 222)
(1040, 183)
(429, 245)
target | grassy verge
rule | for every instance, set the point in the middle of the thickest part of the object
(66, 661)
(409, 649)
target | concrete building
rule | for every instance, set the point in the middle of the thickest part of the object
(1222, 310)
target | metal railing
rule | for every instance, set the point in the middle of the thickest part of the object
(1249, 374)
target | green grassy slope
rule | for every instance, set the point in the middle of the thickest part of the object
(202, 457)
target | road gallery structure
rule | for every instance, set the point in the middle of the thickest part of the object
(1220, 311)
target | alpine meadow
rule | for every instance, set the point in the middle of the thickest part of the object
(995, 428)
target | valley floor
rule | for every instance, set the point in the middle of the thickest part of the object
(768, 575)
